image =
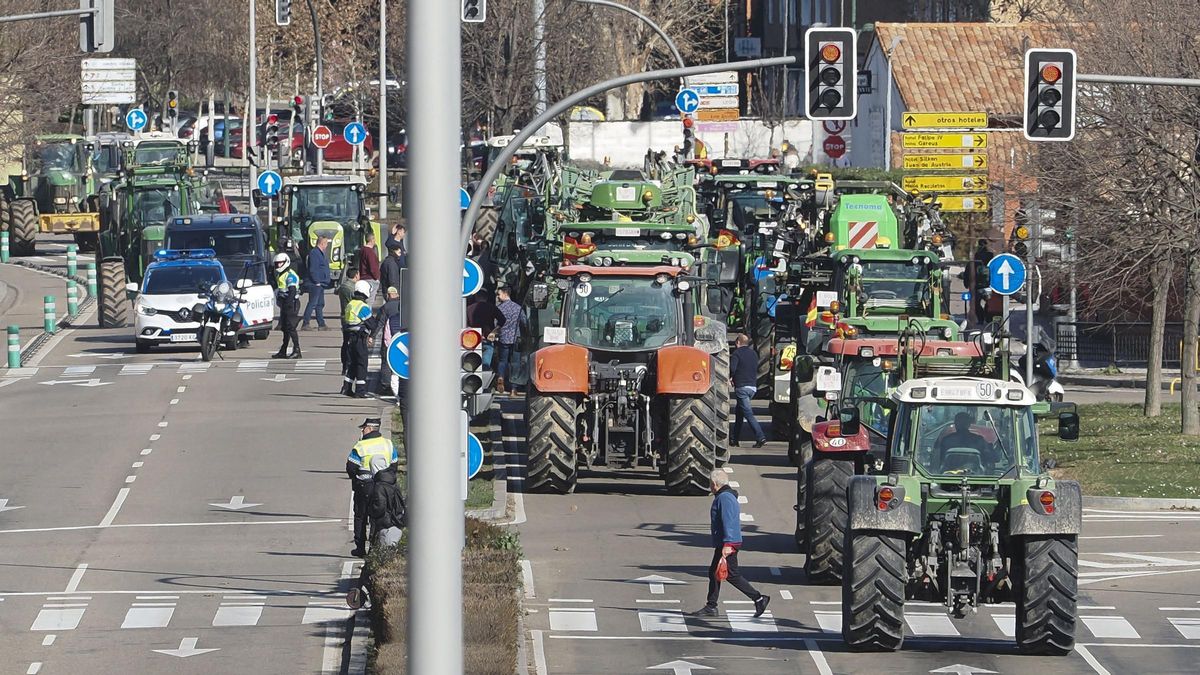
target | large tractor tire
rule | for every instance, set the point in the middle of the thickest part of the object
(113, 306)
(485, 224)
(691, 446)
(22, 227)
(761, 327)
(1047, 584)
(826, 518)
(873, 593)
(781, 419)
(804, 456)
(718, 397)
(550, 428)
(5, 213)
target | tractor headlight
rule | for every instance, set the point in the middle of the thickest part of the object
(60, 200)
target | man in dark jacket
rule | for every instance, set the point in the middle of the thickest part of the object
(389, 269)
(319, 279)
(483, 314)
(725, 518)
(743, 370)
(358, 468)
(386, 508)
(368, 265)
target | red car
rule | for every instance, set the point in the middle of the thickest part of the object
(339, 150)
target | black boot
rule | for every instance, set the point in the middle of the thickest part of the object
(279, 355)
(295, 355)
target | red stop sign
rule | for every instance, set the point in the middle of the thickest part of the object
(835, 146)
(322, 137)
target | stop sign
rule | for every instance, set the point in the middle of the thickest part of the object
(322, 137)
(835, 146)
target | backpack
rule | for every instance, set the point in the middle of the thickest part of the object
(395, 508)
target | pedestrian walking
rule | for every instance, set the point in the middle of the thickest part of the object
(508, 334)
(345, 289)
(287, 297)
(725, 518)
(483, 315)
(358, 468)
(319, 279)
(743, 371)
(357, 326)
(368, 265)
(388, 327)
(389, 269)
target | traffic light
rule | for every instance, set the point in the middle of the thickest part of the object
(831, 72)
(471, 374)
(172, 104)
(327, 107)
(1019, 244)
(1049, 94)
(474, 11)
(283, 12)
(689, 136)
(272, 131)
(96, 29)
(298, 109)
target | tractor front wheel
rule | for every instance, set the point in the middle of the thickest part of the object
(691, 445)
(22, 227)
(827, 517)
(1047, 585)
(485, 224)
(804, 455)
(113, 303)
(717, 398)
(550, 430)
(873, 593)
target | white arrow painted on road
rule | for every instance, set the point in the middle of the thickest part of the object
(94, 382)
(679, 667)
(278, 378)
(236, 502)
(960, 669)
(187, 647)
(5, 507)
(1005, 270)
(657, 581)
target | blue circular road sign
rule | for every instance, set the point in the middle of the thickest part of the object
(472, 277)
(1006, 274)
(966, 296)
(269, 183)
(397, 355)
(687, 100)
(474, 455)
(464, 198)
(355, 133)
(136, 119)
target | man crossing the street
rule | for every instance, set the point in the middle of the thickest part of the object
(743, 370)
(358, 468)
(357, 326)
(725, 518)
(287, 296)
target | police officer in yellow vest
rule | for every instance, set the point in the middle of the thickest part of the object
(357, 326)
(287, 297)
(358, 467)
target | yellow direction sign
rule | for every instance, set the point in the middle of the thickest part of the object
(976, 141)
(963, 203)
(973, 161)
(945, 183)
(945, 120)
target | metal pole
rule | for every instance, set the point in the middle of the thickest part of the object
(1031, 293)
(1136, 79)
(646, 20)
(320, 103)
(382, 146)
(541, 97)
(784, 102)
(501, 160)
(887, 114)
(435, 625)
(253, 111)
(48, 15)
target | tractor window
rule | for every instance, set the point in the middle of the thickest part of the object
(55, 156)
(332, 202)
(156, 154)
(895, 285)
(745, 206)
(225, 242)
(972, 440)
(106, 159)
(618, 314)
(155, 207)
(181, 280)
(864, 382)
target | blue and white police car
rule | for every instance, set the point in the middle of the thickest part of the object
(170, 289)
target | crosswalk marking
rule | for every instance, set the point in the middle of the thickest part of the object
(149, 615)
(1110, 627)
(58, 618)
(1188, 627)
(136, 369)
(743, 620)
(573, 619)
(830, 622)
(325, 610)
(194, 367)
(922, 624)
(662, 621)
(238, 615)
(70, 371)
(253, 366)
(313, 365)
(1007, 623)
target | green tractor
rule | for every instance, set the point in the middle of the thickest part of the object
(156, 183)
(55, 192)
(962, 513)
(329, 206)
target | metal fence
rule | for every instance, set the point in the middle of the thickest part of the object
(1096, 345)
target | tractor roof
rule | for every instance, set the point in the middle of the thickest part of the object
(886, 254)
(327, 179)
(651, 271)
(57, 138)
(963, 390)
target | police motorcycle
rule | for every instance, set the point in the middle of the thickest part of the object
(221, 315)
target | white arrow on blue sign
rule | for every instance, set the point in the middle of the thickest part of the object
(687, 100)
(397, 355)
(464, 198)
(472, 277)
(1006, 274)
(136, 119)
(474, 455)
(269, 183)
(966, 296)
(355, 133)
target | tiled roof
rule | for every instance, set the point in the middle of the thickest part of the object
(963, 66)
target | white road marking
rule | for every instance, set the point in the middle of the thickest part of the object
(180, 390)
(1123, 536)
(539, 653)
(743, 620)
(174, 401)
(1153, 560)
(1007, 623)
(1091, 660)
(187, 377)
(52, 618)
(146, 451)
(930, 624)
(830, 622)
(136, 369)
(1179, 609)
(728, 469)
(48, 640)
(149, 615)
(818, 658)
(734, 484)
(662, 621)
(582, 600)
(76, 577)
(785, 594)
(573, 618)
(71, 528)
(1110, 627)
(747, 518)
(130, 479)
(34, 668)
(527, 579)
(162, 424)
(656, 601)
(9, 380)
(195, 367)
(76, 371)
(115, 508)
(238, 615)
(743, 499)
(138, 465)
(155, 437)
(1188, 627)
(323, 610)
(1085, 607)
(244, 366)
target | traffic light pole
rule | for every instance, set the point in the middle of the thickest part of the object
(501, 160)
(320, 102)
(252, 113)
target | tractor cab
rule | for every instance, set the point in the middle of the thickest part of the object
(329, 206)
(622, 309)
(107, 156)
(57, 173)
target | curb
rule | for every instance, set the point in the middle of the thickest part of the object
(499, 508)
(1141, 503)
(67, 321)
(1112, 382)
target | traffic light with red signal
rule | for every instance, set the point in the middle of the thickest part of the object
(689, 136)
(1050, 86)
(830, 73)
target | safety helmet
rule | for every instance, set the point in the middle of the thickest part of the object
(362, 287)
(282, 261)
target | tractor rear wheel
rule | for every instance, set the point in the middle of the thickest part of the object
(550, 428)
(1047, 584)
(873, 593)
(113, 303)
(22, 227)
(717, 399)
(761, 327)
(485, 224)
(827, 517)
(691, 447)
(802, 459)
(781, 419)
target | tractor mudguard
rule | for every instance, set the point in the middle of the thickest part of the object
(1028, 516)
(808, 408)
(561, 369)
(827, 438)
(682, 370)
(901, 515)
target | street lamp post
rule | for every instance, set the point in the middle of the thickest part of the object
(887, 122)
(646, 20)
(381, 147)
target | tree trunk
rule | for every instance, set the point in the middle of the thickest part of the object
(1161, 283)
(1191, 324)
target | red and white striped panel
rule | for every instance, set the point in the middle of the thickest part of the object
(863, 234)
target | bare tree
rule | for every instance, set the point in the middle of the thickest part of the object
(39, 76)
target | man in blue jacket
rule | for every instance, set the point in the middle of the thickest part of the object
(726, 525)
(319, 279)
(743, 371)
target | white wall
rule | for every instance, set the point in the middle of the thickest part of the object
(625, 143)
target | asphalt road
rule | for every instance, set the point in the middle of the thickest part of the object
(593, 610)
(162, 514)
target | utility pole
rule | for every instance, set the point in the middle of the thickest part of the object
(539, 59)
(435, 625)
(252, 113)
(319, 104)
(784, 103)
(382, 146)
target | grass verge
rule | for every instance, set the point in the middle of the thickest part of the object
(491, 578)
(1120, 453)
(479, 493)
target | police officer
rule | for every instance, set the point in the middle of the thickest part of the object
(358, 467)
(357, 326)
(287, 296)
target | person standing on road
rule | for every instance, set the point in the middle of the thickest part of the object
(357, 326)
(509, 332)
(743, 370)
(389, 269)
(388, 327)
(345, 289)
(358, 468)
(483, 314)
(287, 296)
(319, 279)
(725, 518)
(368, 265)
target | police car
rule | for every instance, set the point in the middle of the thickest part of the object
(170, 289)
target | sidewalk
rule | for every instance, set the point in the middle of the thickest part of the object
(21, 299)
(1133, 378)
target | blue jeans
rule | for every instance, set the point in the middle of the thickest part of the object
(504, 357)
(489, 353)
(316, 301)
(744, 394)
